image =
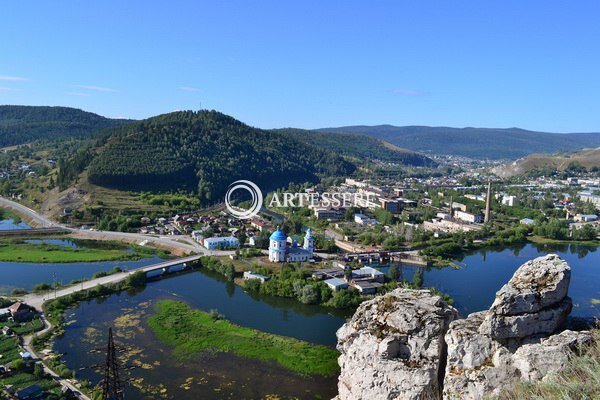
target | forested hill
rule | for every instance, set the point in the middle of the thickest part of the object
(24, 124)
(205, 151)
(490, 143)
(359, 146)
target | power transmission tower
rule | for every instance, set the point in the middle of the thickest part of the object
(111, 386)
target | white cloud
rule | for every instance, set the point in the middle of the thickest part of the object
(78, 94)
(188, 89)
(13, 78)
(94, 88)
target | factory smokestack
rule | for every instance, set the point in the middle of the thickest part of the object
(488, 202)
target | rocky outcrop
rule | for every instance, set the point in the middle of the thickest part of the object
(409, 344)
(533, 302)
(511, 341)
(393, 347)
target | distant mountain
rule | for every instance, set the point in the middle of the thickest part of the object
(24, 124)
(587, 158)
(205, 151)
(359, 146)
(490, 143)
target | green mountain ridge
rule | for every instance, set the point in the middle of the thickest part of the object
(492, 143)
(359, 146)
(24, 124)
(205, 151)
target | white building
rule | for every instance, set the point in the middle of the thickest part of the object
(477, 197)
(468, 217)
(213, 243)
(590, 197)
(253, 275)
(508, 200)
(336, 284)
(586, 218)
(280, 252)
(364, 220)
(368, 273)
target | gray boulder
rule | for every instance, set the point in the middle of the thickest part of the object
(537, 284)
(520, 326)
(393, 347)
(511, 342)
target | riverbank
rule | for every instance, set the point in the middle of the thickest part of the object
(7, 213)
(543, 240)
(189, 331)
(44, 251)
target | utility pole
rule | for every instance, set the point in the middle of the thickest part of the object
(55, 283)
(111, 385)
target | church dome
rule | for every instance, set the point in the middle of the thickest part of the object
(278, 235)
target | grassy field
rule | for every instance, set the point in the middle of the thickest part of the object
(190, 331)
(20, 251)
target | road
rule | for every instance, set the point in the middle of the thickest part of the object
(38, 219)
(61, 381)
(184, 244)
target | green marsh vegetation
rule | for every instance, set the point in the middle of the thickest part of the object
(191, 331)
(85, 251)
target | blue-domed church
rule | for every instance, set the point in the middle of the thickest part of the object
(279, 251)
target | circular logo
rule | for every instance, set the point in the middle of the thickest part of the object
(255, 193)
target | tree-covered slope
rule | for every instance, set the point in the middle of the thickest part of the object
(359, 146)
(206, 151)
(475, 142)
(24, 124)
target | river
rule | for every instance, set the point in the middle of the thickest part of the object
(9, 224)
(215, 376)
(23, 275)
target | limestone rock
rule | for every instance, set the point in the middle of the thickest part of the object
(533, 302)
(550, 356)
(477, 364)
(537, 284)
(393, 347)
(510, 342)
(544, 321)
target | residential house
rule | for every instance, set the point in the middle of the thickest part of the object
(336, 284)
(30, 393)
(366, 287)
(21, 312)
(214, 243)
(368, 273)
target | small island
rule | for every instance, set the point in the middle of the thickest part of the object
(190, 331)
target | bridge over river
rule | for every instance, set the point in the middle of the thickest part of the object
(37, 300)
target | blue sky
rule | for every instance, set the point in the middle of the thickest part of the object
(309, 64)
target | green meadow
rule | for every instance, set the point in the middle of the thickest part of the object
(189, 331)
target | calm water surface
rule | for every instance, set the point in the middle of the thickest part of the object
(205, 376)
(482, 274)
(158, 375)
(20, 275)
(9, 224)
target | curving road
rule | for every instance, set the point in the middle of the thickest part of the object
(37, 219)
